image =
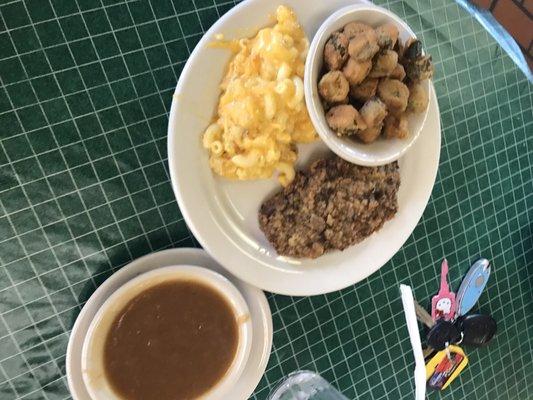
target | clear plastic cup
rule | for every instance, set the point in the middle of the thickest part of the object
(305, 385)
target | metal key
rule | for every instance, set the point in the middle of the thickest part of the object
(423, 316)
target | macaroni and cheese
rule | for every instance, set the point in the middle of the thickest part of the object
(261, 112)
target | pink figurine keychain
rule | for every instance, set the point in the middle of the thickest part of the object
(443, 304)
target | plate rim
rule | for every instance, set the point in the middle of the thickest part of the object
(225, 260)
(112, 283)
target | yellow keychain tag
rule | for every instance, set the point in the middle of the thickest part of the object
(444, 367)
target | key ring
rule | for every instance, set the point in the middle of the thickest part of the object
(462, 337)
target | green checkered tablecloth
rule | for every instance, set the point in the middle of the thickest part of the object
(85, 91)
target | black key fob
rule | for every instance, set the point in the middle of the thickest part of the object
(443, 332)
(478, 330)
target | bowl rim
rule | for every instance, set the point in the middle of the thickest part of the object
(99, 387)
(313, 104)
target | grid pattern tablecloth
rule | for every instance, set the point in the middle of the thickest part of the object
(85, 90)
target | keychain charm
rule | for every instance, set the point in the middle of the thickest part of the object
(472, 285)
(444, 367)
(443, 304)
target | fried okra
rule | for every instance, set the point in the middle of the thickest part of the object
(345, 120)
(365, 90)
(336, 51)
(384, 64)
(374, 81)
(394, 94)
(398, 72)
(333, 87)
(369, 134)
(419, 69)
(356, 71)
(411, 49)
(418, 66)
(418, 98)
(373, 112)
(387, 36)
(353, 29)
(363, 46)
(396, 126)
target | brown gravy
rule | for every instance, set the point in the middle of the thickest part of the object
(175, 340)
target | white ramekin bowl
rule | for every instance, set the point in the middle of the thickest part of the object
(382, 151)
(92, 352)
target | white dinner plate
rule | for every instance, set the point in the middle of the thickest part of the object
(257, 303)
(222, 214)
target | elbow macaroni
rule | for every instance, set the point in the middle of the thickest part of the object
(286, 173)
(261, 113)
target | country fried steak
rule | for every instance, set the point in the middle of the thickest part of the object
(331, 205)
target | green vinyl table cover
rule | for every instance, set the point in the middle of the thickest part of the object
(86, 88)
